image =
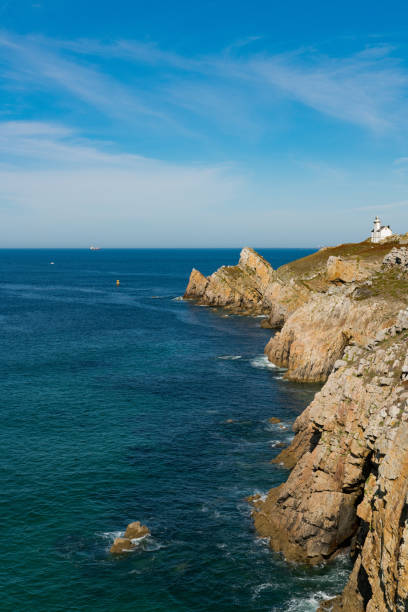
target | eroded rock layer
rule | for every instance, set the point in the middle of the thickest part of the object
(315, 336)
(344, 320)
(349, 485)
(321, 302)
(240, 288)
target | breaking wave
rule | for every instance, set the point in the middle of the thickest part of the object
(262, 362)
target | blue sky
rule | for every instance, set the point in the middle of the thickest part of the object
(201, 124)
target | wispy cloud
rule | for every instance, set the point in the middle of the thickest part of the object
(367, 89)
(58, 188)
(29, 60)
(33, 143)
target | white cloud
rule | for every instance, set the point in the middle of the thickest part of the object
(33, 62)
(38, 143)
(79, 193)
(367, 89)
(59, 189)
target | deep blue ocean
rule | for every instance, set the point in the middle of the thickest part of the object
(116, 406)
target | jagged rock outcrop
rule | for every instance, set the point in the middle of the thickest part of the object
(351, 269)
(240, 288)
(321, 302)
(282, 299)
(315, 335)
(343, 316)
(340, 270)
(196, 285)
(349, 486)
(397, 257)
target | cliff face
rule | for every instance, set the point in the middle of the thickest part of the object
(344, 318)
(315, 336)
(349, 300)
(321, 302)
(349, 486)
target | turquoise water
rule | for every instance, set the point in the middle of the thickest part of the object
(114, 405)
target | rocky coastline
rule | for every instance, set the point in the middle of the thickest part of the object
(342, 320)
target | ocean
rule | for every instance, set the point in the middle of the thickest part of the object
(122, 403)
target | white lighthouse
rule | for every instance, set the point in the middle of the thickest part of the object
(379, 232)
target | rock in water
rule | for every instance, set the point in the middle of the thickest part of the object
(136, 530)
(121, 545)
(124, 544)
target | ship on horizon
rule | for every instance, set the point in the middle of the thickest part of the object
(94, 248)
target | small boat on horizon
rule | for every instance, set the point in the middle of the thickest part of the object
(94, 248)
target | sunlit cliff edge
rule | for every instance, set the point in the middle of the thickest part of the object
(342, 319)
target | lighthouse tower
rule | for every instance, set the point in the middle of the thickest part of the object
(379, 232)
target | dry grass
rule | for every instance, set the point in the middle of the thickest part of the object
(363, 251)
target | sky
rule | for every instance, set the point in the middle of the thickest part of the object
(201, 124)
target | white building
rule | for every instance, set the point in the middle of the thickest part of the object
(379, 232)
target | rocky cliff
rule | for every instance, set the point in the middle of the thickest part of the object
(344, 320)
(315, 336)
(239, 288)
(349, 487)
(321, 302)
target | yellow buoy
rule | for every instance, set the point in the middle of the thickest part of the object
(117, 283)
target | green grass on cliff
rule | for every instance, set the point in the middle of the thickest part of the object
(389, 283)
(313, 264)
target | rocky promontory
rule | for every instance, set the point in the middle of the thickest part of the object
(320, 303)
(240, 288)
(343, 319)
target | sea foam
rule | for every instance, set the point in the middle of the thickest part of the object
(307, 604)
(262, 362)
